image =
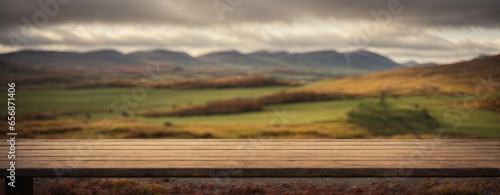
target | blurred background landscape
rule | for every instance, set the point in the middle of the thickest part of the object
(252, 69)
(164, 94)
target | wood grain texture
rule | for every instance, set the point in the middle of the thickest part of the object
(255, 158)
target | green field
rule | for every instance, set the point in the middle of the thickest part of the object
(102, 98)
(476, 123)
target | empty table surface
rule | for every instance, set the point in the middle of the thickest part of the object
(254, 158)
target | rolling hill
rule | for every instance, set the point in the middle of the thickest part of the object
(360, 60)
(341, 63)
(461, 77)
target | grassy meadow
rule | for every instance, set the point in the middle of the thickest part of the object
(101, 98)
(81, 113)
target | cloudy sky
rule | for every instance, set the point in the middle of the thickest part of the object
(423, 30)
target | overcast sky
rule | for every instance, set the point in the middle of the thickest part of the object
(423, 30)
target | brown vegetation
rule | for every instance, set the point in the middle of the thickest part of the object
(100, 186)
(228, 82)
(118, 128)
(215, 107)
(176, 135)
(41, 80)
(350, 186)
(110, 83)
(300, 96)
(491, 103)
(36, 116)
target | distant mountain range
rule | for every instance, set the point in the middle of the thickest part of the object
(363, 61)
(415, 64)
(471, 77)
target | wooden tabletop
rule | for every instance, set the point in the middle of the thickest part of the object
(255, 158)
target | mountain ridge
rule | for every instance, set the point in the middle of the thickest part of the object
(460, 77)
(330, 60)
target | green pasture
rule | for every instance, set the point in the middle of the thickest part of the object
(477, 123)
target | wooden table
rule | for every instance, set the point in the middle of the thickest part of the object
(253, 158)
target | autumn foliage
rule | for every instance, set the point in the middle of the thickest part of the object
(215, 107)
(247, 105)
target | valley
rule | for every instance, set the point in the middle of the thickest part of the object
(414, 102)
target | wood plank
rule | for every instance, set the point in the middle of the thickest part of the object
(244, 152)
(268, 155)
(104, 143)
(202, 153)
(261, 158)
(268, 140)
(246, 147)
(255, 164)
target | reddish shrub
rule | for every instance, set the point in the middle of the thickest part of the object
(220, 107)
(299, 96)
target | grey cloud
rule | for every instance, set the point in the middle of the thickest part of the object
(454, 13)
(193, 15)
(410, 39)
